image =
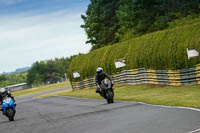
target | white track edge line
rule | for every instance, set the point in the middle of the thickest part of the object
(163, 106)
(194, 131)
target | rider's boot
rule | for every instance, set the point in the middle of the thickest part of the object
(98, 90)
(1, 109)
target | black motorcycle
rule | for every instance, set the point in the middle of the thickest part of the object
(107, 90)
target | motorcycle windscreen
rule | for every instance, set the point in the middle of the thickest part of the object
(107, 82)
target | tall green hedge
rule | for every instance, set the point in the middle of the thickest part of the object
(160, 50)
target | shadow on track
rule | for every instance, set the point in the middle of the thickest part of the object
(7, 121)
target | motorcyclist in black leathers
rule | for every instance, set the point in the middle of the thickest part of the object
(4, 93)
(100, 76)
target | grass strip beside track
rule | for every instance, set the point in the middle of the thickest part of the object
(41, 89)
(55, 93)
(187, 96)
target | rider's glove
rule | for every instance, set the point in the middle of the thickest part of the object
(98, 86)
(98, 89)
(112, 82)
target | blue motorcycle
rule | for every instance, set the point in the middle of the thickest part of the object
(8, 108)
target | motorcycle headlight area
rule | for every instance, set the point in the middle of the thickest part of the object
(6, 101)
(106, 81)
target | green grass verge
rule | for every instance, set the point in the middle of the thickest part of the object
(55, 93)
(187, 96)
(41, 89)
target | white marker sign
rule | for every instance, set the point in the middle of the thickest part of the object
(120, 63)
(76, 75)
(192, 53)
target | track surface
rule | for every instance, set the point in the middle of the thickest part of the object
(74, 115)
(30, 97)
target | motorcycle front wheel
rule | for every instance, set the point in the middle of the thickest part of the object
(110, 96)
(10, 114)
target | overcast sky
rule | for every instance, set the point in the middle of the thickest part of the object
(35, 30)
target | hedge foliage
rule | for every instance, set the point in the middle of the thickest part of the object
(160, 50)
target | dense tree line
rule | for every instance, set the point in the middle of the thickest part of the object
(109, 21)
(6, 80)
(101, 22)
(50, 71)
(43, 72)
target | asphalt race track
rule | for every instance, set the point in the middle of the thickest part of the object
(74, 115)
